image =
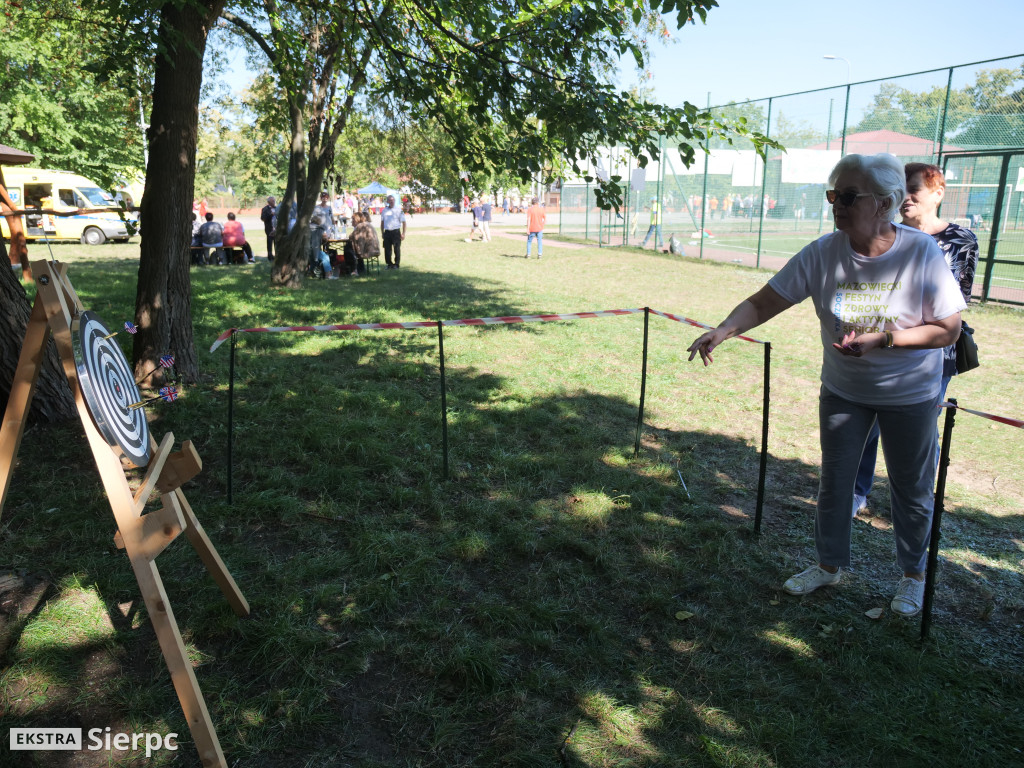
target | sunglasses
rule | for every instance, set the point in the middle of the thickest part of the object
(846, 198)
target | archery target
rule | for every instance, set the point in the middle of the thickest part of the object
(109, 388)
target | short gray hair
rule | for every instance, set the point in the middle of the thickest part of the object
(885, 176)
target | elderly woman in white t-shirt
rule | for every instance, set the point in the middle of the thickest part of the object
(887, 305)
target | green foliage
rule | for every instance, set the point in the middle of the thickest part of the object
(988, 113)
(59, 101)
(519, 87)
(241, 145)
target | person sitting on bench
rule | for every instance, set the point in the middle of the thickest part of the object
(211, 234)
(196, 248)
(234, 237)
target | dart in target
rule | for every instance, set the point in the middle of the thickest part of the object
(109, 388)
(166, 362)
(167, 394)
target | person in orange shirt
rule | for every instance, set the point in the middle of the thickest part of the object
(535, 218)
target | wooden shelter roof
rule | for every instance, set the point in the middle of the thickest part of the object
(12, 156)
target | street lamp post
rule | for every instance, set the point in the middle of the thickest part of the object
(830, 56)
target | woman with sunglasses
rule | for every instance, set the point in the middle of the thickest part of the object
(887, 304)
(926, 187)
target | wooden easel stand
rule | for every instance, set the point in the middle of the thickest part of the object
(142, 536)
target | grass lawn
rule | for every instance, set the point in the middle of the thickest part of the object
(557, 601)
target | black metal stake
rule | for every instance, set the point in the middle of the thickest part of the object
(643, 386)
(444, 398)
(940, 495)
(231, 409)
(765, 407)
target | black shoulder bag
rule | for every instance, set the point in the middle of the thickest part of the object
(966, 350)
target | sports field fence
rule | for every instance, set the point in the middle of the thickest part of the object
(731, 205)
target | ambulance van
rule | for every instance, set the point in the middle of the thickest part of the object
(56, 190)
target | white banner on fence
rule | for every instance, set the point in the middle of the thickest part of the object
(748, 170)
(720, 161)
(808, 166)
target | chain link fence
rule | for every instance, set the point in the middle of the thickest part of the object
(731, 205)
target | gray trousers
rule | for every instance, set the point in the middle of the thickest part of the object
(908, 442)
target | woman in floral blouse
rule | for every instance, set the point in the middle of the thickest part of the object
(926, 187)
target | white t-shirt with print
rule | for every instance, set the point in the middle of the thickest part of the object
(907, 286)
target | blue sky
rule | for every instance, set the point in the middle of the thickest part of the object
(751, 49)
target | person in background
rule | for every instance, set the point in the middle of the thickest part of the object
(197, 252)
(346, 214)
(476, 212)
(212, 236)
(926, 187)
(234, 237)
(505, 206)
(485, 219)
(364, 238)
(353, 266)
(392, 232)
(269, 218)
(326, 214)
(319, 226)
(882, 364)
(337, 210)
(535, 220)
(655, 228)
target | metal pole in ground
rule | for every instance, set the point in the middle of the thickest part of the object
(231, 410)
(940, 495)
(765, 407)
(444, 398)
(643, 386)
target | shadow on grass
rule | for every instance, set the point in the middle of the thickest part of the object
(558, 602)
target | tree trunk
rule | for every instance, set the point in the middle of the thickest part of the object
(302, 190)
(163, 303)
(52, 400)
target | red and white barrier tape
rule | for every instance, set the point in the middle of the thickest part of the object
(698, 324)
(541, 318)
(342, 327)
(467, 321)
(1001, 419)
(426, 323)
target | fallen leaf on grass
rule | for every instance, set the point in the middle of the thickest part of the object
(684, 615)
(874, 613)
(773, 602)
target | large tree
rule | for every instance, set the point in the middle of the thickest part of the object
(163, 304)
(514, 83)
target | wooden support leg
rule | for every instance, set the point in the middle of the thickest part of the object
(208, 554)
(175, 654)
(26, 375)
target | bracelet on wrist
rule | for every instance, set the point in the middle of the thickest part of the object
(888, 340)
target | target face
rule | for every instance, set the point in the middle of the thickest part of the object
(109, 388)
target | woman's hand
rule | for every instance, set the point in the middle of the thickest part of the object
(853, 345)
(705, 345)
(749, 313)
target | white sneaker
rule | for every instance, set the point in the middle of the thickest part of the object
(860, 504)
(909, 597)
(807, 581)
